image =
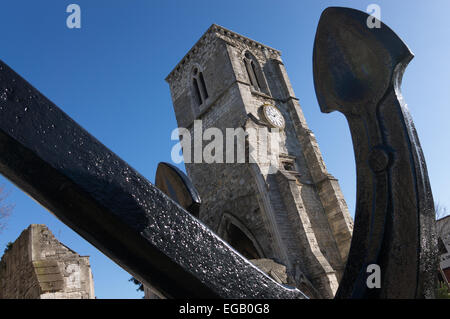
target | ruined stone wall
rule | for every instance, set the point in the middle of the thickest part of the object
(38, 266)
(18, 279)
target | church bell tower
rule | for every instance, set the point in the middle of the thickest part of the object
(288, 210)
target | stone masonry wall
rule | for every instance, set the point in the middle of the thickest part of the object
(38, 266)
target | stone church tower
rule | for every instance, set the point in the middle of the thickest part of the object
(292, 212)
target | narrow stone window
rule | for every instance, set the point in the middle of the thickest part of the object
(198, 97)
(202, 81)
(252, 63)
(289, 166)
(288, 163)
(199, 87)
(255, 74)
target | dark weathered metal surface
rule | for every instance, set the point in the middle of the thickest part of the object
(358, 71)
(178, 186)
(93, 191)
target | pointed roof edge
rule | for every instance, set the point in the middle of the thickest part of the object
(217, 28)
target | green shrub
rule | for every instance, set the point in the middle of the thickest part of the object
(442, 291)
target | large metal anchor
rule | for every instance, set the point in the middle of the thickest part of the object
(358, 71)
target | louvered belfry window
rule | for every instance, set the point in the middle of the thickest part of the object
(253, 72)
(199, 87)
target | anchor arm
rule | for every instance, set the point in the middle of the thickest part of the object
(90, 189)
(358, 71)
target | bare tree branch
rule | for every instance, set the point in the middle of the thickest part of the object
(442, 225)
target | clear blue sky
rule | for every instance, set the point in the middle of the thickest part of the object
(109, 76)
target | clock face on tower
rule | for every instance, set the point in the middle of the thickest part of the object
(273, 116)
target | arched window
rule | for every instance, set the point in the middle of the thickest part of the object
(239, 241)
(254, 73)
(199, 87)
(239, 237)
